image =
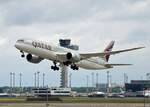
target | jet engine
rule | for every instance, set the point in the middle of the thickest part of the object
(33, 59)
(73, 57)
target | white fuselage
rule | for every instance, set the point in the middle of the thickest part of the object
(50, 51)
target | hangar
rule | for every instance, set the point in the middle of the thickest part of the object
(137, 88)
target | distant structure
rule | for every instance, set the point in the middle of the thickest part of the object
(11, 82)
(113, 85)
(64, 77)
(148, 76)
(43, 80)
(137, 88)
(70, 79)
(35, 79)
(67, 44)
(97, 81)
(38, 77)
(64, 71)
(108, 82)
(87, 84)
(20, 79)
(52, 92)
(125, 78)
(13, 74)
(92, 74)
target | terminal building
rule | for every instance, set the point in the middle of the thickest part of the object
(137, 88)
(52, 92)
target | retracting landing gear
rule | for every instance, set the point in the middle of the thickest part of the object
(22, 54)
(55, 66)
(74, 67)
(67, 63)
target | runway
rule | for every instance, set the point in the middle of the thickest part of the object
(74, 105)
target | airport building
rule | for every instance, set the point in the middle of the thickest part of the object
(137, 88)
(52, 92)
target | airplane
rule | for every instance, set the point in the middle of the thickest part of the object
(38, 51)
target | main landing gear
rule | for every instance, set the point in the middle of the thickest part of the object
(55, 66)
(67, 63)
(74, 67)
(22, 54)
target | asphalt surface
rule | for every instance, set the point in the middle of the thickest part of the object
(74, 105)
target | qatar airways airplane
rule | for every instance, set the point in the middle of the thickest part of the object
(38, 51)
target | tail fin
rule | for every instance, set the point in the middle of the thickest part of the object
(108, 49)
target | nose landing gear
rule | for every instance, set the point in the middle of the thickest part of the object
(55, 66)
(22, 54)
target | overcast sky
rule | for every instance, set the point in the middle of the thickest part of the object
(91, 24)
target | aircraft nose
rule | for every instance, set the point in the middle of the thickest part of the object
(16, 45)
(19, 44)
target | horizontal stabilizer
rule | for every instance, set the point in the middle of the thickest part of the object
(111, 65)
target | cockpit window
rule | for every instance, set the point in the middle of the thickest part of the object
(21, 40)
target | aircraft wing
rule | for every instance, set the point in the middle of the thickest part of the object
(88, 55)
(111, 65)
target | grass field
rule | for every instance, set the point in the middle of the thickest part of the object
(12, 100)
(76, 100)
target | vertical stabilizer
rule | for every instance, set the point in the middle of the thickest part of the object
(108, 49)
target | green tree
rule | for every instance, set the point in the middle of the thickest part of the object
(1, 90)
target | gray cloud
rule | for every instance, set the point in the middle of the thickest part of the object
(36, 11)
(138, 10)
(61, 11)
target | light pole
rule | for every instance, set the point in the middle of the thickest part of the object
(20, 83)
(108, 81)
(43, 79)
(35, 79)
(124, 79)
(11, 74)
(70, 75)
(87, 78)
(38, 79)
(97, 81)
(13, 82)
(92, 81)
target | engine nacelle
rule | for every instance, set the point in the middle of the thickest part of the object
(73, 57)
(33, 59)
